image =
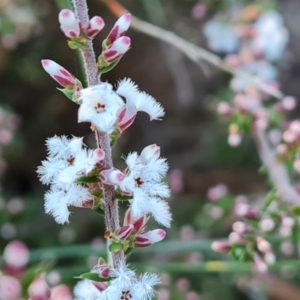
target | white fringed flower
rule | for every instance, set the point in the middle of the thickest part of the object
(141, 100)
(67, 160)
(144, 180)
(100, 105)
(85, 290)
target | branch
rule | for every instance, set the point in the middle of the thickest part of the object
(103, 140)
(277, 170)
(195, 53)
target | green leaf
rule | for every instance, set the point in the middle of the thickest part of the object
(123, 197)
(77, 45)
(87, 179)
(115, 247)
(104, 70)
(99, 211)
(129, 251)
(296, 211)
(93, 276)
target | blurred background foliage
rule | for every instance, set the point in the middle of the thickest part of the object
(191, 137)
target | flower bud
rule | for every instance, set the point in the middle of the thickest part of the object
(241, 227)
(96, 24)
(99, 154)
(58, 73)
(236, 238)
(263, 245)
(69, 25)
(39, 290)
(267, 224)
(102, 270)
(16, 254)
(289, 136)
(270, 258)
(10, 288)
(126, 117)
(234, 139)
(112, 176)
(224, 109)
(221, 246)
(119, 29)
(151, 152)
(137, 223)
(150, 237)
(259, 264)
(101, 286)
(124, 232)
(217, 192)
(246, 211)
(61, 292)
(289, 103)
(116, 50)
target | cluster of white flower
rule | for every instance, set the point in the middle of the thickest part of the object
(124, 286)
(67, 161)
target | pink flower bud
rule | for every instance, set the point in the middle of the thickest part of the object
(39, 290)
(125, 231)
(282, 150)
(289, 103)
(267, 224)
(270, 258)
(263, 245)
(150, 237)
(151, 152)
(224, 109)
(217, 192)
(137, 223)
(221, 246)
(116, 50)
(101, 286)
(69, 25)
(112, 176)
(236, 238)
(99, 154)
(16, 254)
(95, 26)
(241, 227)
(289, 136)
(61, 292)
(295, 127)
(126, 117)
(58, 73)
(287, 221)
(259, 264)
(102, 270)
(10, 288)
(246, 211)
(119, 29)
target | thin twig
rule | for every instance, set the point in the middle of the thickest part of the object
(195, 53)
(277, 171)
(103, 141)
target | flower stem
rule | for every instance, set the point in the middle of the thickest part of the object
(103, 140)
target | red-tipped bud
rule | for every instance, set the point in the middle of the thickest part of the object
(99, 154)
(112, 176)
(119, 29)
(124, 232)
(95, 26)
(241, 227)
(126, 117)
(221, 246)
(102, 270)
(61, 292)
(39, 290)
(16, 254)
(58, 73)
(246, 211)
(138, 224)
(69, 25)
(10, 288)
(151, 152)
(267, 224)
(150, 237)
(116, 50)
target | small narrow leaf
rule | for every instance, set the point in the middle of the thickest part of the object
(93, 276)
(99, 211)
(87, 179)
(77, 45)
(123, 197)
(107, 69)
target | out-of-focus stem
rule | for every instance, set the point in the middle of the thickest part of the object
(103, 140)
